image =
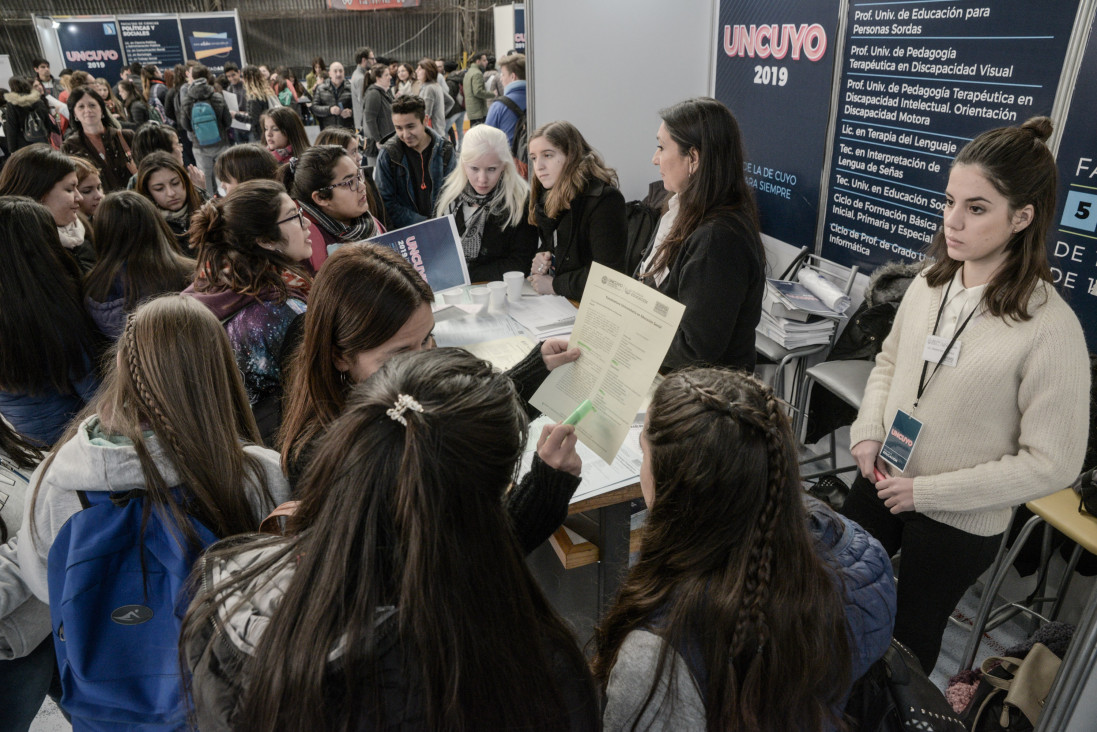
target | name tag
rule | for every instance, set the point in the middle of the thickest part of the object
(901, 438)
(935, 347)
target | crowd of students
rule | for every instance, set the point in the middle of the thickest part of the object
(207, 341)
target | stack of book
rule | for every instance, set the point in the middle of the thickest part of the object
(793, 317)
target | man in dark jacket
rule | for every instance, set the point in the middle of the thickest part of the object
(206, 118)
(411, 165)
(332, 105)
(42, 71)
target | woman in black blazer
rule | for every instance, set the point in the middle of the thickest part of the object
(578, 211)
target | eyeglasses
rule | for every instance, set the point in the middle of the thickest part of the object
(351, 185)
(300, 216)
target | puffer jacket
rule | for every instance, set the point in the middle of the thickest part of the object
(327, 96)
(42, 418)
(17, 108)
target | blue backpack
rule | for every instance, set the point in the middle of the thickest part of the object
(116, 605)
(203, 121)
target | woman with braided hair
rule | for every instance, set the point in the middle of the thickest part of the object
(752, 606)
(401, 599)
(172, 412)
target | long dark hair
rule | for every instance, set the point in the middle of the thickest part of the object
(286, 120)
(175, 373)
(718, 184)
(47, 336)
(583, 165)
(727, 565)
(226, 233)
(361, 297)
(158, 160)
(33, 171)
(409, 516)
(1018, 163)
(136, 248)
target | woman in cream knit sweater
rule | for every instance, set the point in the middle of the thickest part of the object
(1004, 414)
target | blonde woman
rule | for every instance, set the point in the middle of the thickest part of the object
(489, 201)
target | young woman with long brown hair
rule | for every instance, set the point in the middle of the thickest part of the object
(172, 421)
(51, 347)
(577, 209)
(138, 259)
(752, 606)
(284, 133)
(404, 601)
(707, 252)
(367, 305)
(162, 179)
(1004, 418)
(249, 246)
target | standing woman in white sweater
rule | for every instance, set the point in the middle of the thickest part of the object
(1004, 411)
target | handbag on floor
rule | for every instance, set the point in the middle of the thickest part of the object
(1012, 691)
(895, 695)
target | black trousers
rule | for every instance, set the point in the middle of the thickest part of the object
(939, 563)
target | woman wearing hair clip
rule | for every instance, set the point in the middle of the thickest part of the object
(251, 247)
(400, 599)
(335, 196)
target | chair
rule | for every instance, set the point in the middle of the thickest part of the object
(1057, 511)
(840, 275)
(846, 380)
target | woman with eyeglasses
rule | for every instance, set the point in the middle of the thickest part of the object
(251, 248)
(334, 194)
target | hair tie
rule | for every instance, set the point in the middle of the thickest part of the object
(403, 403)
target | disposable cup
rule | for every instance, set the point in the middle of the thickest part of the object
(480, 295)
(497, 296)
(514, 281)
(453, 297)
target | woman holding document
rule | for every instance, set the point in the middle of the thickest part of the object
(367, 305)
(707, 252)
(977, 398)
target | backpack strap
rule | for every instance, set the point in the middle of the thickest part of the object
(511, 105)
(85, 502)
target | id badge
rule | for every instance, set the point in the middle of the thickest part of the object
(901, 438)
(936, 345)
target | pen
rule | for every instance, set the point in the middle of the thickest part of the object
(581, 411)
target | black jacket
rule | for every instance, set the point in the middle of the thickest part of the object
(376, 117)
(16, 110)
(327, 96)
(114, 172)
(502, 248)
(719, 275)
(594, 229)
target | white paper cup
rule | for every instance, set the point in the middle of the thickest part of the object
(453, 297)
(514, 282)
(497, 296)
(480, 295)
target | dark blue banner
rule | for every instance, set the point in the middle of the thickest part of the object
(520, 28)
(433, 248)
(1073, 244)
(774, 66)
(153, 41)
(92, 46)
(920, 79)
(212, 41)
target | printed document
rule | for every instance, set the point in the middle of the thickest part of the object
(624, 329)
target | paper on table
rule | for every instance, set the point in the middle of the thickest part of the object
(542, 315)
(598, 476)
(624, 329)
(502, 353)
(474, 329)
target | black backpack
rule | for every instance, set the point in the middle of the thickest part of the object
(34, 131)
(519, 146)
(642, 221)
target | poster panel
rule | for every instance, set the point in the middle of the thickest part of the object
(520, 28)
(1072, 245)
(774, 66)
(212, 40)
(91, 45)
(155, 41)
(371, 4)
(920, 79)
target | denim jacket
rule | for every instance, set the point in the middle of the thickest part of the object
(393, 178)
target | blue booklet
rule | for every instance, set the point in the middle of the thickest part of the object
(433, 247)
(796, 297)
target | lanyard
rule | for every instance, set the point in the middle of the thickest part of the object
(923, 382)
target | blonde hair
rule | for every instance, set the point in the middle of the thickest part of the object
(480, 141)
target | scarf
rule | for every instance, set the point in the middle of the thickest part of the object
(474, 225)
(283, 154)
(545, 223)
(177, 219)
(361, 228)
(72, 235)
